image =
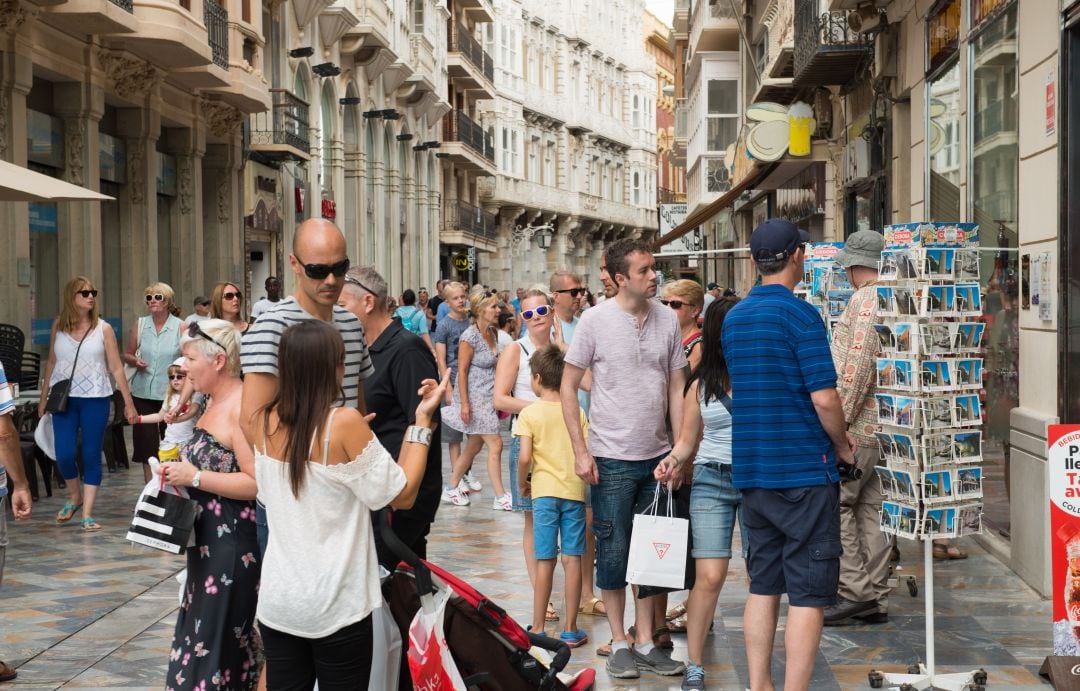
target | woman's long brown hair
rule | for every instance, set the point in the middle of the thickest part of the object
(69, 315)
(308, 358)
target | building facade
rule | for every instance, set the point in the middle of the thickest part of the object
(574, 137)
(670, 176)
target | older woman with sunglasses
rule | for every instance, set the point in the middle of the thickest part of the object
(153, 345)
(83, 350)
(686, 298)
(227, 302)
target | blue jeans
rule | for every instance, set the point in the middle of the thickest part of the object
(89, 416)
(625, 488)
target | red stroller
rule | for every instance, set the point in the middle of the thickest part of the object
(490, 649)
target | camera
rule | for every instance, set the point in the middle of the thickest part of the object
(849, 472)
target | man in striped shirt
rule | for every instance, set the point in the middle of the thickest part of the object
(788, 433)
(319, 262)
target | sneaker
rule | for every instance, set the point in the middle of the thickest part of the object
(453, 496)
(503, 503)
(658, 662)
(463, 487)
(574, 639)
(473, 484)
(693, 678)
(621, 665)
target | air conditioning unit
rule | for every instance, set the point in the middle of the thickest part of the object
(856, 160)
(886, 54)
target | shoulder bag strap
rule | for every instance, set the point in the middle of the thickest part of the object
(75, 362)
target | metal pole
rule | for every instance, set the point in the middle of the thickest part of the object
(928, 561)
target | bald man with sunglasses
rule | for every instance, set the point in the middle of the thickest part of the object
(318, 262)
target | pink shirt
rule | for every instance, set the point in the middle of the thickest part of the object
(631, 368)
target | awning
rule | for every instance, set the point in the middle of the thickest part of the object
(704, 214)
(18, 184)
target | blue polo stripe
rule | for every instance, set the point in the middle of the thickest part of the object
(778, 354)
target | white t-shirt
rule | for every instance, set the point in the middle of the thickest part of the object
(502, 339)
(323, 541)
(261, 306)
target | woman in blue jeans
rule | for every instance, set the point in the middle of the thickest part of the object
(83, 348)
(714, 500)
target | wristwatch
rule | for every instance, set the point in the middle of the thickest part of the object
(195, 481)
(418, 435)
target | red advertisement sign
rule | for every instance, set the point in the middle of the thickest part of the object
(1063, 459)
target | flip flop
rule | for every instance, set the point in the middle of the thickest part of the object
(67, 513)
(593, 607)
(949, 552)
(676, 611)
(89, 525)
(604, 650)
(551, 614)
(631, 634)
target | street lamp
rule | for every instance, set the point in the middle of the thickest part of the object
(543, 236)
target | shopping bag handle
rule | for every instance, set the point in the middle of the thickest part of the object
(653, 509)
(400, 550)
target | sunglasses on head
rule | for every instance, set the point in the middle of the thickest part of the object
(574, 292)
(175, 377)
(87, 293)
(155, 297)
(194, 331)
(541, 311)
(319, 272)
(230, 295)
(674, 304)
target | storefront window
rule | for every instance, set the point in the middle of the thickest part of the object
(992, 192)
(943, 144)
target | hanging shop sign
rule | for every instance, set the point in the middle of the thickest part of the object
(460, 261)
(776, 130)
(672, 216)
(329, 209)
(1063, 464)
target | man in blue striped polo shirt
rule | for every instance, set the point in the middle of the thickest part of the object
(788, 433)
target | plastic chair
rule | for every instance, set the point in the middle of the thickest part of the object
(11, 361)
(30, 377)
(13, 336)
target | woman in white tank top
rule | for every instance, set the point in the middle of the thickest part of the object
(320, 472)
(83, 348)
(513, 391)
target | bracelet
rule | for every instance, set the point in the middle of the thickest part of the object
(418, 435)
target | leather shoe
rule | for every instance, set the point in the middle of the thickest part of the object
(7, 672)
(845, 609)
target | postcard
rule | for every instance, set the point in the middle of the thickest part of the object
(886, 373)
(968, 411)
(969, 482)
(886, 409)
(886, 306)
(939, 412)
(888, 484)
(937, 450)
(966, 266)
(886, 445)
(937, 486)
(905, 411)
(969, 519)
(968, 299)
(936, 339)
(969, 336)
(940, 522)
(936, 375)
(969, 373)
(938, 264)
(904, 299)
(904, 482)
(904, 447)
(939, 301)
(967, 447)
(908, 522)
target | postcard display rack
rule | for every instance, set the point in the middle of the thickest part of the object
(825, 284)
(929, 373)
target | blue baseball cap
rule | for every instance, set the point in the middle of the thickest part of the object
(775, 240)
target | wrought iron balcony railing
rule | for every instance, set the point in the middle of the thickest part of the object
(461, 41)
(464, 216)
(126, 5)
(459, 127)
(216, 19)
(285, 124)
(827, 51)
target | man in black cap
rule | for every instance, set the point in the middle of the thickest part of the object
(788, 434)
(712, 291)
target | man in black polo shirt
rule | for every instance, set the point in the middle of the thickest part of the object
(401, 362)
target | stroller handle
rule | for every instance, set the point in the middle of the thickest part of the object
(558, 664)
(404, 553)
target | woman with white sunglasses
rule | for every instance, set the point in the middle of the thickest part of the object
(153, 345)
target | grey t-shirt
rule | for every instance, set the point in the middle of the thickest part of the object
(259, 352)
(448, 332)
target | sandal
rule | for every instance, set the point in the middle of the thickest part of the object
(604, 650)
(631, 634)
(551, 614)
(948, 552)
(677, 625)
(677, 611)
(89, 525)
(594, 607)
(67, 513)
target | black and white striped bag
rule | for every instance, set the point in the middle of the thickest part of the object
(163, 519)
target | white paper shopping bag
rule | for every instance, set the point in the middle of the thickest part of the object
(658, 546)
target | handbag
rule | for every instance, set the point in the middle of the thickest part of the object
(658, 546)
(164, 516)
(130, 370)
(431, 665)
(57, 402)
(682, 510)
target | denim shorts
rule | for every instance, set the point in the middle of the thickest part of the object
(714, 505)
(625, 488)
(520, 503)
(558, 521)
(794, 537)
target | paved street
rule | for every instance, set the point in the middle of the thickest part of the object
(91, 611)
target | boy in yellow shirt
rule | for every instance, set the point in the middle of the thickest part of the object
(546, 473)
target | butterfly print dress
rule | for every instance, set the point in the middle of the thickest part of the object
(215, 645)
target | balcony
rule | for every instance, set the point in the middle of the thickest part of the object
(170, 36)
(372, 31)
(281, 134)
(465, 224)
(96, 17)
(480, 11)
(214, 74)
(666, 196)
(779, 62)
(714, 26)
(468, 63)
(681, 22)
(467, 143)
(827, 51)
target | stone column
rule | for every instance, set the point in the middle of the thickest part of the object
(16, 78)
(223, 196)
(138, 207)
(188, 146)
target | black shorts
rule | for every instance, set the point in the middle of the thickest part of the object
(794, 539)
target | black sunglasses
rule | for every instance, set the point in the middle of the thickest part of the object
(87, 293)
(174, 377)
(319, 272)
(193, 331)
(155, 297)
(230, 295)
(674, 304)
(541, 311)
(356, 282)
(574, 292)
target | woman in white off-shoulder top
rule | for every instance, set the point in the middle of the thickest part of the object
(320, 472)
